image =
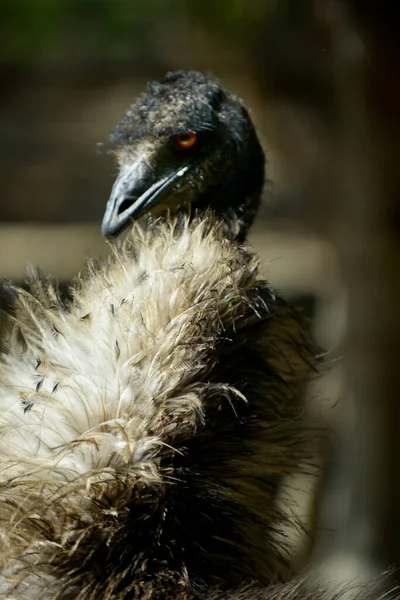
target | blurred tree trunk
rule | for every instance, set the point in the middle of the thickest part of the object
(338, 62)
(364, 228)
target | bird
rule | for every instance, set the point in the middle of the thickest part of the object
(187, 142)
(148, 422)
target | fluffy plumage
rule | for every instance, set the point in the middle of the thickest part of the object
(142, 442)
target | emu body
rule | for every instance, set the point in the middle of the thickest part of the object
(146, 426)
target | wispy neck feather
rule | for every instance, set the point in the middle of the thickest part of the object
(145, 427)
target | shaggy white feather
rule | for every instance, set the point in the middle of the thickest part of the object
(94, 380)
(97, 389)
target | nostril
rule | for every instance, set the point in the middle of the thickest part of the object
(125, 204)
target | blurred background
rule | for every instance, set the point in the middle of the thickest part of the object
(321, 80)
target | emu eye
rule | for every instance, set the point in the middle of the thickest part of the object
(186, 140)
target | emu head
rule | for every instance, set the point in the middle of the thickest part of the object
(186, 145)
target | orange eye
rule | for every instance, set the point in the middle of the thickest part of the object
(186, 140)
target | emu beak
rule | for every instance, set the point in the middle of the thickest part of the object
(133, 195)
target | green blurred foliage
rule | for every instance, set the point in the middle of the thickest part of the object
(237, 17)
(33, 31)
(46, 30)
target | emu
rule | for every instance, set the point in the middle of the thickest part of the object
(147, 424)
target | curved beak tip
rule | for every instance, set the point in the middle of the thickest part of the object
(131, 197)
(110, 226)
(106, 230)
